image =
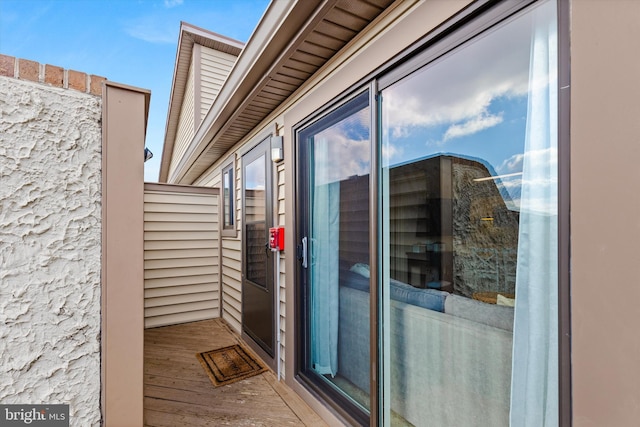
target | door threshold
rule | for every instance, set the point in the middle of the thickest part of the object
(266, 358)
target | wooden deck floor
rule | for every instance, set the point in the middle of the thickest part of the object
(177, 391)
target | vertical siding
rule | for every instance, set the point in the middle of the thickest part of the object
(214, 69)
(181, 265)
(186, 125)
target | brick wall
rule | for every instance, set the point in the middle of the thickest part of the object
(50, 74)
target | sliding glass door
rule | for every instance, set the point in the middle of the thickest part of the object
(469, 236)
(465, 230)
(335, 182)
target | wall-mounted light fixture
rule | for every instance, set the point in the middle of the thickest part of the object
(147, 154)
(277, 152)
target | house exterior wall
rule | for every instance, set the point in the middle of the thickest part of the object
(50, 249)
(604, 230)
(605, 227)
(124, 117)
(362, 57)
(230, 251)
(282, 300)
(186, 123)
(181, 254)
(214, 69)
(399, 29)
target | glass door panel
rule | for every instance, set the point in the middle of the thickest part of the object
(336, 156)
(469, 231)
(257, 290)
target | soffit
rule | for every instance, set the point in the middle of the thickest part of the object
(332, 25)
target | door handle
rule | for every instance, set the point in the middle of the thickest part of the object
(304, 252)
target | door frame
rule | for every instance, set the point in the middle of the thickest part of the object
(263, 145)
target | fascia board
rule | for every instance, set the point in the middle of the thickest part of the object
(184, 42)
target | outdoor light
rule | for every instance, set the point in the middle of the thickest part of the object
(277, 153)
(147, 154)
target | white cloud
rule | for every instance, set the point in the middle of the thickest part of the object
(547, 157)
(475, 124)
(538, 185)
(172, 3)
(389, 151)
(512, 164)
(152, 29)
(340, 152)
(459, 89)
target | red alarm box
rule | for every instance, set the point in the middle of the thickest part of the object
(276, 238)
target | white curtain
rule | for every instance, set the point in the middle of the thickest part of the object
(534, 384)
(324, 252)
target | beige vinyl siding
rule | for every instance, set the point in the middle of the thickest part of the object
(181, 257)
(186, 124)
(280, 173)
(232, 265)
(231, 256)
(214, 69)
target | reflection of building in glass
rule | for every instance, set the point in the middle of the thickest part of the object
(449, 228)
(256, 229)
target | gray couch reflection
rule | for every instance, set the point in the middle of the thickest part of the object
(450, 355)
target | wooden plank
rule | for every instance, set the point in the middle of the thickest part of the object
(178, 392)
(295, 402)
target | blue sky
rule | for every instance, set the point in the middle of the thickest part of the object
(127, 41)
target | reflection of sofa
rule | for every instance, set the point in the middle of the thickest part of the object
(450, 362)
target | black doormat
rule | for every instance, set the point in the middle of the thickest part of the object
(229, 364)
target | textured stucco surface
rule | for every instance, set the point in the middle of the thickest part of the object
(50, 248)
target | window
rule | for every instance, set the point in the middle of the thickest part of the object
(466, 234)
(228, 196)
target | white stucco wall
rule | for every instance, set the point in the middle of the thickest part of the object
(50, 248)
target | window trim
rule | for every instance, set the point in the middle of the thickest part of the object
(564, 215)
(231, 229)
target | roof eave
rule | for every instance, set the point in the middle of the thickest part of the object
(184, 53)
(280, 24)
